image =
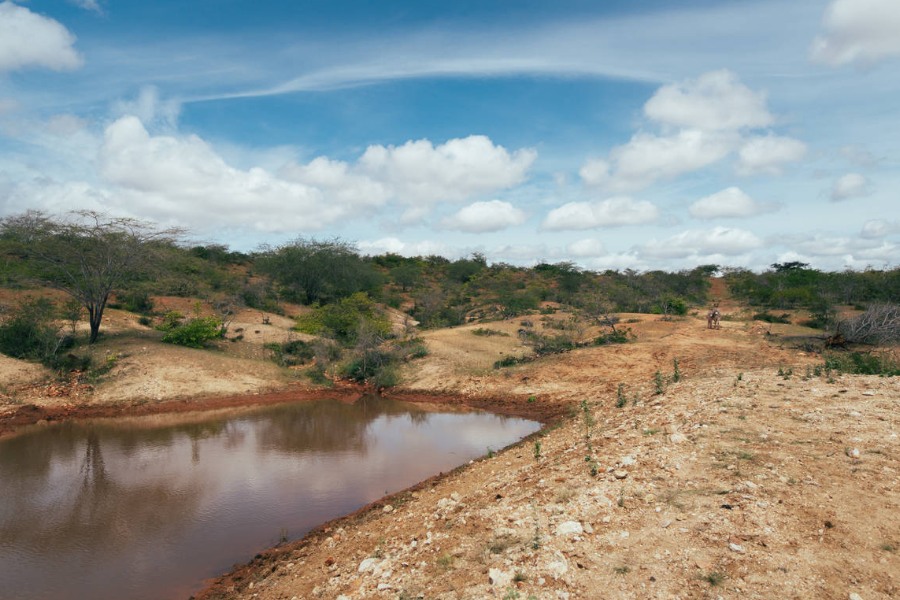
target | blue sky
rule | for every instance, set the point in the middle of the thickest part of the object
(615, 134)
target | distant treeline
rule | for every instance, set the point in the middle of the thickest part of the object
(439, 292)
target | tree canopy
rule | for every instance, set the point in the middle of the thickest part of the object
(88, 255)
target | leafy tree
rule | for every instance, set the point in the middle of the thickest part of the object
(88, 255)
(310, 271)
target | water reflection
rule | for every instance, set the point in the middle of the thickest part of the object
(142, 509)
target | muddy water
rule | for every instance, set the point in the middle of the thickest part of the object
(149, 507)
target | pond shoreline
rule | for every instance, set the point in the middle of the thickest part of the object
(32, 414)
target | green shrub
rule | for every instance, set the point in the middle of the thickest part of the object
(862, 363)
(292, 353)
(195, 332)
(29, 332)
(170, 321)
(137, 302)
(342, 320)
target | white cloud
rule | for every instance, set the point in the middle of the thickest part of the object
(647, 158)
(696, 242)
(482, 217)
(586, 248)
(716, 100)
(613, 212)
(851, 185)
(595, 171)
(766, 154)
(730, 202)
(31, 40)
(397, 246)
(339, 181)
(420, 173)
(92, 5)
(183, 178)
(149, 108)
(858, 31)
(879, 228)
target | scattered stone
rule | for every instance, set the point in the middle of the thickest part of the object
(627, 461)
(558, 565)
(620, 474)
(368, 564)
(499, 578)
(388, 508)
(455, 497)
(677, 438)
(852, 452)
(569, 528)
(868, 393)
(854, 596)
(736, 548)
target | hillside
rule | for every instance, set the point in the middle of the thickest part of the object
(753, 476)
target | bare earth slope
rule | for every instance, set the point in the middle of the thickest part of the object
(735, 482)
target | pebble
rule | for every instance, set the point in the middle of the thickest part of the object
(853, 452)
(736, 548)
(620, 474)
(677, 438)
(387, 508)
(627, 461)
(569, 528)
(499, 578)
(368, 564)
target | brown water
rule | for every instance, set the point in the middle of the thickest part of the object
(150, 507)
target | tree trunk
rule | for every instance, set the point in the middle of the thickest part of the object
(95, 317)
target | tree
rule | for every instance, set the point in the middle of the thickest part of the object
(88, 255)
(312, 271)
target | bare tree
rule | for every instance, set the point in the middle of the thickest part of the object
(88, 254)
(879, 324)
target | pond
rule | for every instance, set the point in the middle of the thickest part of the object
(149, 507)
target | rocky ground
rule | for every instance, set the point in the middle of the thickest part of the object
(755, 475)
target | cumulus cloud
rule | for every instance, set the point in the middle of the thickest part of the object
(858, 31)
(767, 154)
(482, 217)
(31, 40)
(612, 212)
(879, 228)
(716, 100)
(586, 248)
(702, 121)
(730, 202)
(397, 246)
(648, 158)
(184, 178)
(696, 242)
(851, 185)
(419, 172)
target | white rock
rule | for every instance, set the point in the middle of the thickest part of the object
(368, 564)
(569, 528)
(387, 508)
(499, 578)
(455, 497)
(736, 548)
(620, 474)
(677, 438)
(627, 461)
(558, 565)
(854, 596)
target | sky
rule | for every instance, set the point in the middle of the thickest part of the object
(623, 134)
